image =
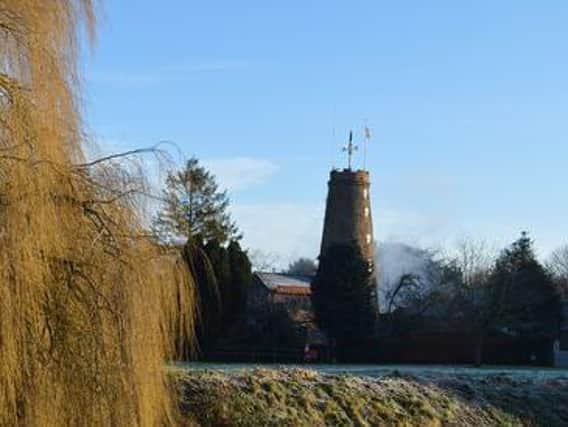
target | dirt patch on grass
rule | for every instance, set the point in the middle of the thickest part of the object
(299, 397)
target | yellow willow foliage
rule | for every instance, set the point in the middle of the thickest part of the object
(88, 305)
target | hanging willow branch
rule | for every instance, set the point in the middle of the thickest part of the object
(89, 307)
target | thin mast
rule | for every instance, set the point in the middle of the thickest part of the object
(367, 137)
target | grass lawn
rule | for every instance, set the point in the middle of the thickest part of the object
(240, 395)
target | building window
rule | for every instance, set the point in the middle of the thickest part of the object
(365, 194)
(366, 212)
(368, 238)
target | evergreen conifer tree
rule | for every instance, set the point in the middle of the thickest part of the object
(343, 294)
(522, 295)
(222, 275)
(241, 275)
(194, 206)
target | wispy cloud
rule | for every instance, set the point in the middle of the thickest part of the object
(416, 228)
(240, 173)
(140, 78)
(234, 174)
(288, 230)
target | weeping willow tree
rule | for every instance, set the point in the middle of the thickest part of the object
(88, 305)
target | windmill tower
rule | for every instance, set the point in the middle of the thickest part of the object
(348, 217)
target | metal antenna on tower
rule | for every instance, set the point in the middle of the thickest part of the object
(350, 148)
(367, 138)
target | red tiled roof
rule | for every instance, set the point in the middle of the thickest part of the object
(274, 281)
(292, 290)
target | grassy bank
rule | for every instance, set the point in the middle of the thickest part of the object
(298, 397)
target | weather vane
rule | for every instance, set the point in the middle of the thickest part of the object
(350, 148)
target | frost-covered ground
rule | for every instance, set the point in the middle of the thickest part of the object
(212, 395)
(534, 373)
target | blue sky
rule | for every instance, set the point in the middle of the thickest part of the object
(467, 101)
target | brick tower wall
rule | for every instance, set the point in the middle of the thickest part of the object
(348, 216)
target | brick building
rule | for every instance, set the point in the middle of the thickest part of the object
(279, 308)
(348, 216)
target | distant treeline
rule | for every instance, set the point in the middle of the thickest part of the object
(472, 293)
